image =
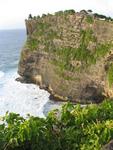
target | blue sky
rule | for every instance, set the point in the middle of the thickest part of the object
(14, 12)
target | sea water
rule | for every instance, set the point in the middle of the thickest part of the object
(15, 96)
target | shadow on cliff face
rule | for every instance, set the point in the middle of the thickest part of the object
(92, 93)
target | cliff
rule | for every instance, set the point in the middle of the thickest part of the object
(70, 54)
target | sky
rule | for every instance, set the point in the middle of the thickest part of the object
(14, 12)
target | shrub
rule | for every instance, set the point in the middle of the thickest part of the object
(44, 15)
(74, 127)
(34, 17)
(38, 17)
(71, 11)
(59, 13)
(103, 17)
(89, 11)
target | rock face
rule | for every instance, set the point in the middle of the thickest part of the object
(70, 54)
(108, 146)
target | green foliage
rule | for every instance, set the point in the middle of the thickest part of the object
(89, 11)
(34, 17)
(84, 11)
(41, 28)
(102, 49)
(30, 16)
(44, 15)
(87, 52)
(83, 54)
(38, 17)
(59, 13)
(66, 12)
(89, 19)
(71, 11)
(103, 17)
(32, 44)
(73, 128)
(44, 32)
(110, 75)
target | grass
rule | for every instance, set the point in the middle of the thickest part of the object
(46, 34)
(110, 75)
(89, 19)
(65, 55)
(41, 28)
(32, 44)
(82, 53)
(102, 49)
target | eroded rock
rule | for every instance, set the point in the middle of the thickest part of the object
(69, 56)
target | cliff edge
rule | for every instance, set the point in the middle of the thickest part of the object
(70, 54)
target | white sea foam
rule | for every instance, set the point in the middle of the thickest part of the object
(1, 74)
(21, 98)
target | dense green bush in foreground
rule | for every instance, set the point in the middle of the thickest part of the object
(75, 128)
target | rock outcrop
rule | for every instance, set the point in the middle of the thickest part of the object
(70, 54)
(108, 146)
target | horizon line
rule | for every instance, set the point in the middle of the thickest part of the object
(12, 29)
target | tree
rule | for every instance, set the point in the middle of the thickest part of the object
(34, 17)
(38, 17)
(71, 11)
(44, 15)
(89, 11)
(30, 16)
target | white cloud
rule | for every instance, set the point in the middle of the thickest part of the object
(14, 12)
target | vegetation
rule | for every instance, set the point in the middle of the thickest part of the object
(42, 30)
(65, 55)
(44, 15)
(66, 12)
(102, 17)
(30, 16)
(73, 128)
(102, 49)
(86, 56)
(83, 54)
(38, 17)
(89, 19)
(110, 75)
(71, 11)
(84, 11)
(32, 44)
(59, 13)
(89, 11)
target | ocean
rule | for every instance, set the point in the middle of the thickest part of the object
(15, 96)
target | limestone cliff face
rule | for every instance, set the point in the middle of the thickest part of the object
(71, 55)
